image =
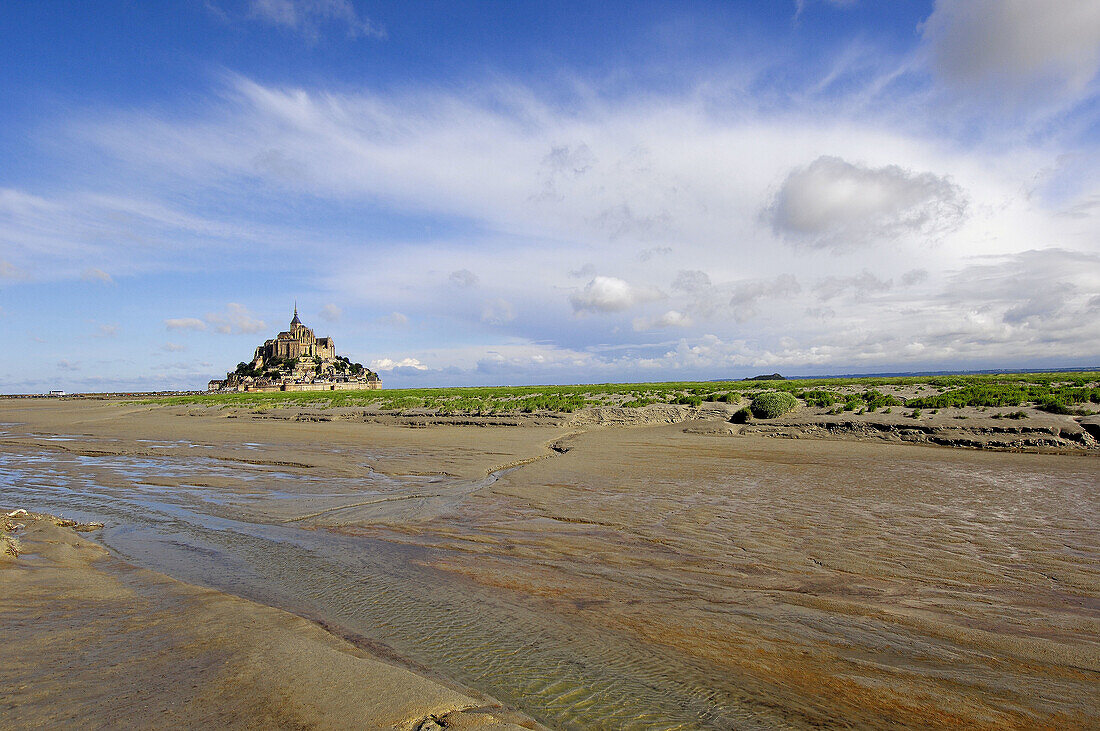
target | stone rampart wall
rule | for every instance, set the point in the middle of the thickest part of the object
(350, 386)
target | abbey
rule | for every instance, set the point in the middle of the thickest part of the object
(297, 360)
(299, 342)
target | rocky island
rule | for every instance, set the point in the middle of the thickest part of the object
(297, 360)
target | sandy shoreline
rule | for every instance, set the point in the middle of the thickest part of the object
(683, 566)
(92, 640)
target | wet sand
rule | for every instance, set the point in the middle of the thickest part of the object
(90, 640)
(740, 580)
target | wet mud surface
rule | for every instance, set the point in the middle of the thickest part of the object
(622, 578)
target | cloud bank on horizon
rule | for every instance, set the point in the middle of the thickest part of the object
(840, 187)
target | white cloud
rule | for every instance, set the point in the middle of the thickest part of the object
(610, 294)
(388, 364)
(691, 281)
(832, 202)
(497, 312)
(82, 235)
(914, 276)
(654, 251)
(1015, 51)
(309, 17)
(861, 285)
(184, 323)
(671, 318)
(395, 319)
(10, 271)
(464, 278)
(681, 179)
(235, 319)
(106, 330)
(330, 313)
(747, 296)
(173, 347)
(93, 274)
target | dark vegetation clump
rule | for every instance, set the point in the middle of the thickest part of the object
(820, 399)
(1010, 415)
(246, 369)
(773, 404)
(742, 416)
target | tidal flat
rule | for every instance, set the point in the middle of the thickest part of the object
(665, 573)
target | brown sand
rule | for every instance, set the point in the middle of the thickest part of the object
(807, 582)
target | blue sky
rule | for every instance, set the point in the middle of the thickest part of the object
(514, 192)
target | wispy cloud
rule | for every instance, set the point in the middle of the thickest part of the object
(331, 313)
(310, 18)
(234, 319)
(94, 274)
(881, 213)
(185, 323)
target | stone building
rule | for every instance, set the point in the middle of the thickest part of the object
(298, 342)
(297, 360)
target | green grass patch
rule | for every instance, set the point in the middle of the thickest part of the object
(1055, 392)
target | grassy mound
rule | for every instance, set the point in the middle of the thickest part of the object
(773, 404)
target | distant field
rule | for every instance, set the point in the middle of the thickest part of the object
(1061, 393)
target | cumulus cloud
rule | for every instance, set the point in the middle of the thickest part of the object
(610, 294)
(497, 312)
(92, 274)
(330, 313)
(835, 203)
(463, 278)
(388, 364)
(395, 319)
(691, 281)
(185, 323)
(310, 17)
(173, 347)
(235, 319)
(1015, 51)
(747, 296)
(860, 285)
(106, 330)
(671, 318)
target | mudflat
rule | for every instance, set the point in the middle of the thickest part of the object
(682, 574)
(90, 640)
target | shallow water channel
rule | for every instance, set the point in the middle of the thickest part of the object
(566, 674)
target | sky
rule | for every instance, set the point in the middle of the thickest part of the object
(465, 193)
